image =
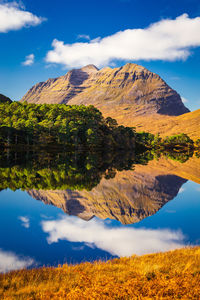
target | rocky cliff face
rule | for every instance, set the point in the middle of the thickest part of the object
(129, 89)
(128, 197)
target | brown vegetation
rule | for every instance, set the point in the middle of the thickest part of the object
(166, 125)
(171, 275)
(187, 123)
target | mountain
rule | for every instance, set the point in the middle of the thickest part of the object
(129, 89)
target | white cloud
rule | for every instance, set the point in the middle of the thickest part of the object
(25, 221)
(14, 17)
(165, 40)
(181, 190)
(184, 100)
(29, 60)
(10, 261)
(83, 36)
(123, 241)
(96, 40)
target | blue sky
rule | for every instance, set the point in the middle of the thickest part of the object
(103, 33)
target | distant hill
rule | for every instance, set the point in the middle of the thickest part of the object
(4, 99)
(130, 88)
(188, 123)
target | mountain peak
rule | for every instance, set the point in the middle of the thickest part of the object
(90, 68)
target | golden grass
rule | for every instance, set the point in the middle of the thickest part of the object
(170, 275)
(165, 125)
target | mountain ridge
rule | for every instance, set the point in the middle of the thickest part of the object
(131, 94)
(133, 86)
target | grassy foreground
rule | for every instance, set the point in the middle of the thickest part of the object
(170, 275)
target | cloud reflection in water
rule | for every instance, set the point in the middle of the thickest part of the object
(120, 241)
(10, 261)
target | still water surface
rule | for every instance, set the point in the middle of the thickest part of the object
(147, 209)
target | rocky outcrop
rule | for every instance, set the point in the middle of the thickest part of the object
(129, 89)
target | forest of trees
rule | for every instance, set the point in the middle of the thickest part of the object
(72, 127)
(75, 126)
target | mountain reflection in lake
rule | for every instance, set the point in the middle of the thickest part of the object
(92, 197)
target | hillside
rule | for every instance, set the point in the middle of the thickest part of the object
(4, 99)
(170, 275)
(130, 87)
(165, 125)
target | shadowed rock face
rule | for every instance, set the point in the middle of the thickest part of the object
(129, 88)
(128, 197)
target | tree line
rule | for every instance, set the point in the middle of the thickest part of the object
(178, 142)
(76, 127)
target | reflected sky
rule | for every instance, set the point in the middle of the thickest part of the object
(120, 241)
(10, 261)
(35, 234)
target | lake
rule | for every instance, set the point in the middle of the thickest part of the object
(60, 208)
